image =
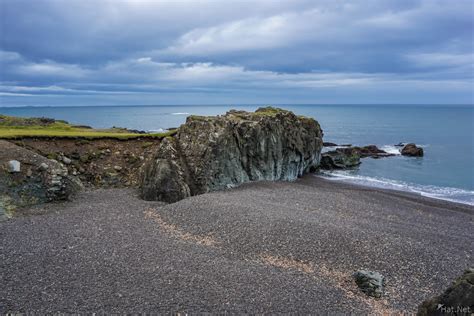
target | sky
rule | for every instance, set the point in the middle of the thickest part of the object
(118, 52)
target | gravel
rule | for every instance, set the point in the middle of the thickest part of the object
(262, 247)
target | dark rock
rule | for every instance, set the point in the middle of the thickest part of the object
(399, 145)
(458, 299)
(341, 158)
(372, 151)
(210, 153)
(329, 144)
(43, 181)
(412, 150)
(371, 283)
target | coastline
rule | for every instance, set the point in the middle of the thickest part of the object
(393, 186)
(260, 247)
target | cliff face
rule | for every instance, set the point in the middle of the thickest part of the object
(213, 153)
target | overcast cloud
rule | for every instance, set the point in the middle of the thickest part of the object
(87, 52)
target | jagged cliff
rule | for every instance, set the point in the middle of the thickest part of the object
(217, 152)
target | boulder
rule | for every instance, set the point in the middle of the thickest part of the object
(42, 180)
(341, 158)
(329, 144)
(210, 153)
(14, 166)
(412, 150)
(371, 283)
(458, 299)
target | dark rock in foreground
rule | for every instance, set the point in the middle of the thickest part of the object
(217, 152)
(371, 283)
(458, 299)
(341, 158)
(27, 178)
(412, 150)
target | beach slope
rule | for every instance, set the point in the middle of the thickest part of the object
(272, 247)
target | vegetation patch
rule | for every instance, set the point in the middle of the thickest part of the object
(16, 127)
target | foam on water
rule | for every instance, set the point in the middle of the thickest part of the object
(391, 149)
(180, 113)
(442, 193)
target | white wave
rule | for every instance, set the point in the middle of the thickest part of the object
(391, 149)
(180, 113)
(432, 191)
(159, 130)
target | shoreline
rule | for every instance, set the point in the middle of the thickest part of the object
(388, 181)
(399, 193)
(273, 247)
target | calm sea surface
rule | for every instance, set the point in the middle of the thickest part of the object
(446, 134)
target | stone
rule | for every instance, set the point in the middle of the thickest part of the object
(458, 299)
(67, 161)
(14, 166)
(412, 150)
(370, 282)
(43, 166)
(341, 158)
(210, 153)
(117, 168)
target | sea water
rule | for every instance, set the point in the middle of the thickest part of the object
(446, 133)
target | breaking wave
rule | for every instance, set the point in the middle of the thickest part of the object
(432, 191)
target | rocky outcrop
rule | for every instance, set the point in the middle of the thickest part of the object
(458, 299)
(412, 150)
(27, 178)
(341, 158)
(372, 151)
(218, 152)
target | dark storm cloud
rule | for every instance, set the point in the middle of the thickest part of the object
(108, 51)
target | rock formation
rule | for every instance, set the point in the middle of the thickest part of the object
(27, 178)
(341, 158)
(458, 299)
(210, 153)
(412, 150)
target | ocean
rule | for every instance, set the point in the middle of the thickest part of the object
(446, 134)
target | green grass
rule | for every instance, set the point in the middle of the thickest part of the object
(14, 127)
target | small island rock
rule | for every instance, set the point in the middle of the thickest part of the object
(412, 150)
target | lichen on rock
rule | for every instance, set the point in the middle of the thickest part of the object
(211, 153)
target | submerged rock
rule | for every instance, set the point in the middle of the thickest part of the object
(211, 153)
(458, 299)
(412, 150)
(371, 283)
(43, 181)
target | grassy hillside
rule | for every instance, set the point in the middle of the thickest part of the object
(16, 127)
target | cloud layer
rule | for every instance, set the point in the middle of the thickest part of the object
(206, 52)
